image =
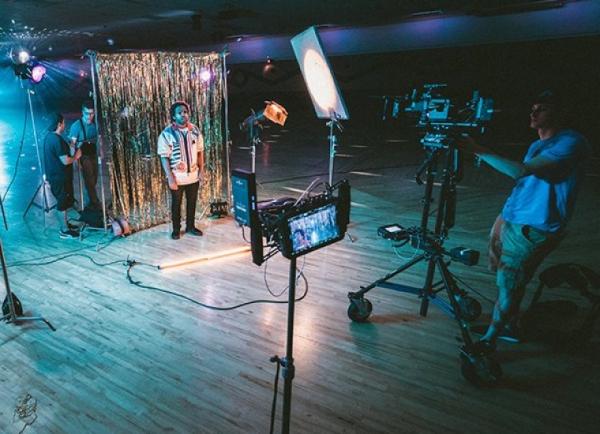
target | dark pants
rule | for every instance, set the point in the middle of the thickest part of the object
(191, 196)
(89, 169)
(62, 189)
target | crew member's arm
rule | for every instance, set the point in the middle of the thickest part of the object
(166, 165)
(73, 136)
(74, 155)
(539, 166)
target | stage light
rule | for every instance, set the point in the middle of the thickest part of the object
(269, 68)
(19, 56)
(23, 56)
(37, 73)
(205, 75)
(273, 111)
(32, 70)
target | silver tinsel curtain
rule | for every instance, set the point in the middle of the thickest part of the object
(135, 93)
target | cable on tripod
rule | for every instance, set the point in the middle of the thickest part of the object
(284, 290)
(132, 263)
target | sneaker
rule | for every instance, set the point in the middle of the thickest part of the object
(175, 235)
(74, 226)
(69, 233)
(195, 231)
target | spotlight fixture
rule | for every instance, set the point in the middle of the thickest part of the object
(268, 68)
(32, 70)
(23, 56)
(19, 56)
(38, 72)
(273, 111)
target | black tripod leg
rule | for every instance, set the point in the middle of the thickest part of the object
(454, 293)
(32, 200)
(426, 294)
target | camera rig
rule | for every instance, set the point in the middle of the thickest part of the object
(443, 122)
(291, 226)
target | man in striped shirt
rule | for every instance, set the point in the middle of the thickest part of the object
(181, 151)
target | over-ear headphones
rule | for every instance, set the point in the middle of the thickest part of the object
(120, 226)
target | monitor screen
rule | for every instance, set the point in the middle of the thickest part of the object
(313, 229)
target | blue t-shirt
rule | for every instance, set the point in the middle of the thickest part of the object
(546, 202)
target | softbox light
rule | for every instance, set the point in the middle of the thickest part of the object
(318, 76)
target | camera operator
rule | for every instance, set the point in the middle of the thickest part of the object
(84, 136)
(533, 220)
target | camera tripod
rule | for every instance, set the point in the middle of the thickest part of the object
(477, 367)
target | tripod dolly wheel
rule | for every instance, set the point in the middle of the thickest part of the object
(481, 370)
(359, 309)
(470, 308)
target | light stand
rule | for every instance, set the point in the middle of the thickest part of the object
(224, 55)
(43, 189)
(11, 316)
(3, 214)
(273, 112)
(287, 363)
(92, 56)
(334, 122)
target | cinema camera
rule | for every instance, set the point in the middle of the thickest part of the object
(439, 115)
(443, 123)
(293, 226)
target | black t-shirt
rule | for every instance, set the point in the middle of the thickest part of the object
(55, 147)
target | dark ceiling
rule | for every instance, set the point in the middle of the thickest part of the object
(69, 27)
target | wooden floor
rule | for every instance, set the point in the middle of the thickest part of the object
(131, 360)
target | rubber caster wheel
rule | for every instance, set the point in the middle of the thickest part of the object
(480, 370)
(470, 308)
(360, 309)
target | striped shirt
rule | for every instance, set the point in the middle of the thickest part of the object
(181, 147)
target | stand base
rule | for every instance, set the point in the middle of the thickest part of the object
(42, 199)
(21, 319)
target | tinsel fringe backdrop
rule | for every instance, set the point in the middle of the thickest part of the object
(135, 93)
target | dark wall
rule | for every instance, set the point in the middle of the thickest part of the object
(511, 74)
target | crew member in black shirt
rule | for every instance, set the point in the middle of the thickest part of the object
(58, 161)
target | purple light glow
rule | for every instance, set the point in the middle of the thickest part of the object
(205, 75)
(37, 73)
